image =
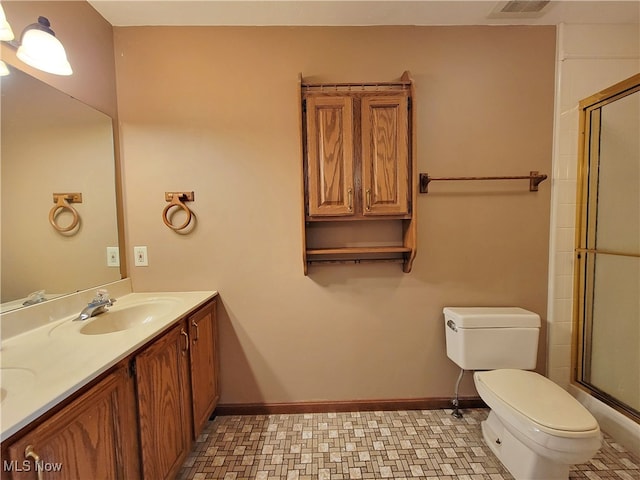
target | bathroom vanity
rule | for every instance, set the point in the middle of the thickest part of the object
(120, 395)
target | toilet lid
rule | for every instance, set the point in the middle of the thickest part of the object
(539, 399)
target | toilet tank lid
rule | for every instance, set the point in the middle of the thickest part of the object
(491, 317)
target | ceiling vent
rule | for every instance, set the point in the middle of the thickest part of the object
(520, 9)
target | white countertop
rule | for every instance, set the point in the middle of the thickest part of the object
(46, 364)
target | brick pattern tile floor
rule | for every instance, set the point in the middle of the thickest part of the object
(420, 444)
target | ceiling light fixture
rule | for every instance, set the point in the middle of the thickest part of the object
(40, 48)
(6, 34)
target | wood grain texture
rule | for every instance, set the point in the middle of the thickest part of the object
(163, 404)
(94, 437)
(358, 143)
(385, 155)
(330, 152)
(203, 333)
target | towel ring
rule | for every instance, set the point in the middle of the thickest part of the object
(63, 202)
(175, 199)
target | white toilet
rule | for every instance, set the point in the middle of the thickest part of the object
(536, 428)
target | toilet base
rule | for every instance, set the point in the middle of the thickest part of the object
(522, 462)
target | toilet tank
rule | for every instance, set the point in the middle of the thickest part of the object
(489, 338)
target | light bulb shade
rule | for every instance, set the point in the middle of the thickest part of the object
(6, 34)
(42, 50)
(4, 70)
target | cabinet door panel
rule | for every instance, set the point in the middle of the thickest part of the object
(204, 370)
(93, 437)
(385, 155)
(330, 155)
(163, 404)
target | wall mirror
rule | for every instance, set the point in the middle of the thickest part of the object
(607, 359)
(53, 143)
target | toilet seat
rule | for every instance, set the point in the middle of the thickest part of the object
(545, 405)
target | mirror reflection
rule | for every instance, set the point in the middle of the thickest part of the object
(52, 143)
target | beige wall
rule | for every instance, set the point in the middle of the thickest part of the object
(215, 110)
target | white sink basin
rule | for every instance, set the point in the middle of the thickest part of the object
(124, 317)
(20, 378)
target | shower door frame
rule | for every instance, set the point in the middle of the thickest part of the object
(586, 250)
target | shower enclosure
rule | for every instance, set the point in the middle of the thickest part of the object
(607, 277)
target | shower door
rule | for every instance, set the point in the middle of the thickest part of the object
(608, 248)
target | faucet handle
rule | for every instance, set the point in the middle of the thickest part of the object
(101, 295)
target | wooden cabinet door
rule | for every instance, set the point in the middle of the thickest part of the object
(203, 332)
(330, 155)
(93, 437)
(164, 412)
(385, 155)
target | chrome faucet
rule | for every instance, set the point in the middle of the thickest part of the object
(35, 297)
(97, 306)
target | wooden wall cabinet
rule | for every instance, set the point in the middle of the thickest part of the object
(93, 437)
(357, 148)
(138, 421)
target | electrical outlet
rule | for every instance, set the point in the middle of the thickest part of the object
(140, 257)
(113, 257)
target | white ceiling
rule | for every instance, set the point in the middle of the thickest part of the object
(355, 12)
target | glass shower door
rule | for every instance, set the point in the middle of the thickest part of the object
(608, 279)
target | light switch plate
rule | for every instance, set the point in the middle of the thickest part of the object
(140, 256)
(113, 257)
